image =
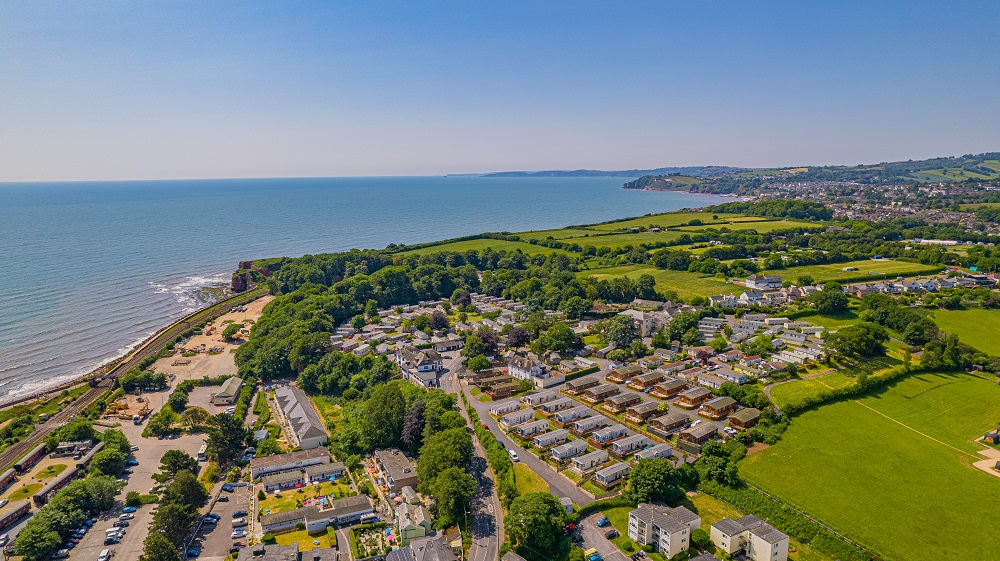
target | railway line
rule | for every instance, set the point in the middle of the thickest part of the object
(104, 382)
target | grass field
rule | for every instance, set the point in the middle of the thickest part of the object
(24, 492)
(290, 496)
(304, 539)
(51, 471)
(796, 391)
(528, 481)
(761, 225)
(684, 283)
(968, 325)
(624, 239)
(831, 321)
(670, 219)
(974, 206)
(867, 269)
(863, 467)
(481, 244)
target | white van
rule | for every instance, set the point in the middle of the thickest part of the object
(105, 555)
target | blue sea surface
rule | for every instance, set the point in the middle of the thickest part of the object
(88, 270)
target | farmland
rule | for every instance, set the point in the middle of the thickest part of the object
(481, 244)
(624, 239)
(968, 325)
(760, 225)
(795, 391)
(684, 283)
(867, 270)
(886, 468)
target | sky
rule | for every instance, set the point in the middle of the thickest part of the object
(160, 90)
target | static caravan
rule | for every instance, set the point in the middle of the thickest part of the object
(586, 425)
(645, 381)
(692, 398)
(570, 415)
(638, 414)
(718, 408)
(556, 405)
(535, 399)
(611, 474)
(504, 408)
(628, 445)
(624, 373)
(598, 394)
(527, 429)
(587, 462)
(607, 434)
(668, 389)
(665, 425)
(550, 438)
(516, 418)
(578, 386)
(619, 403)
(655, 451)
(568, 450)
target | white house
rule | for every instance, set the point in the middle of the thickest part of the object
(524, 368)
(667, 529)
(751, 296)
(757, 539)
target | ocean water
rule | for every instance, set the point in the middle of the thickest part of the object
(88, 270)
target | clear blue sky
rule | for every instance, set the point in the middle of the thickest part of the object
(119, 90)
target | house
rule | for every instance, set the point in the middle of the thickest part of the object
(348, 509)
(568, 450)
(598, 394)
(699, 434)
(287, 520)
(502, 391)
(587, 462)
(628, 445)
(428, 548)
(424, 360)
(505, 407)
(283, 480)
(528, 429)
(644, 381)
(514, 418)
(701, 353)
(764, 282)
(689, 399)
(654, 451)
(672, 367)
(396, 469)
(744, 418)
(229, 392)
(425, 379)
(552, 407)
(709, 380)
(751, 296)
(586, 425)
(601, 353)
(664, 425)
(651, 361)
(668, 530)
(413, 521)
(605, 436)
(665, 354)
(624, 373)
(619, 403)
(305, 428)
(757, 539)
(724, 300)
(750, 360)
(551, 438)
(449, 345)
(580, 385)
(730, 356)
(669, 389)
(533, 399)
(260, 467)
(610, 475)
(729, 375)
(718, 408)
(325, 472)
(524, 368)
(794, 337)
(638, 414)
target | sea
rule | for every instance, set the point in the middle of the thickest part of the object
(88, 270)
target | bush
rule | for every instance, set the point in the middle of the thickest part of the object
(261, 495)
(268, 538)
(132, 498)
(701, 539)
(300, 526)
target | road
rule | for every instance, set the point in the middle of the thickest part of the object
(486, 511)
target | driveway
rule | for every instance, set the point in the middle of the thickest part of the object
(594, 537)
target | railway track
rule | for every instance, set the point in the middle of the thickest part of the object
(106, 381)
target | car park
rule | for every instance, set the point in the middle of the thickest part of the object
(223, 499)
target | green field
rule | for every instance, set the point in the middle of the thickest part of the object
(974, 206)
(624, 239)
(481, 244)
(867, 270)
(969, 324)
(832, 321)
(958, 174)
(684, 283)
(670, 219)
(761, 225)
(863, 467)
(528, 481)
(796, 391)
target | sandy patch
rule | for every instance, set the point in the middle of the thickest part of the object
(756, 448)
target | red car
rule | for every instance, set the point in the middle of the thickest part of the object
(486, 427)
(569, 528)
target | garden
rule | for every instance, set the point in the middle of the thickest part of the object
(290, 499)
(369, 540)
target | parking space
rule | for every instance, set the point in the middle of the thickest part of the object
(593, 537)
(215, 540)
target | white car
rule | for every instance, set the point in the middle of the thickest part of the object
(230, 411)
(126, 516)
(4, 538)
(240, 533)
(513, 456)
(134, 447)
(237, 522)
(4, 502)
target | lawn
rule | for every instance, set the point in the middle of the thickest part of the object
(24, 492)
(305, 540)
(528, 481)
(289, 496)
(671, 219)
(51, 471)
(624, 239)
(831, 321)
(868, 269)
(859, 467)
(481, 244)
(968, 325)
(796, 391)
(684, 283)
(760, 226)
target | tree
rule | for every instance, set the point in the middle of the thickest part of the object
(226, 437)
(682, 323)
(268, 447)
(158, 548)
(439, 320)
(132, 498)
(518, 337)
(461, 297)
(473, 346)
(575, 307)
(173, 462)
(195, 417)
(413, 425)
(186, 490)
(172, 520)
(719, 344)
(453, 490)
(36, 541)
(830, 300)
(661, 339)
(177, 401)
(558, 337)
(859, 340)
(638, 349)
(382, 416)
(804, 280)
(478, 363)
(536, 520)
(443, 450)
(358, 321)
(109, 461)
(701, 539)
(371, 311)
(231, 331)
(620, 331)
(654, 480)
(114, 438)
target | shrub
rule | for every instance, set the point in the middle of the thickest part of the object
(268, 538)
(132, 498)
(300, 525)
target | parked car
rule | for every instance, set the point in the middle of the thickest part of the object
(4, 538)
(611, 534)
(603, 522)
(193, 552)
(227, 488)
(132, 462)
(239, 514)
(210, 520)
(223, 498)
(128, 509)
(61, 554)
(127, 471)
(134, 447)
(121, 523)
(513, 456)
(238, 533)
(237, 522)
(126, 516)
(213, 515)
(112, 540)
(569, 528)
(230, 411)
